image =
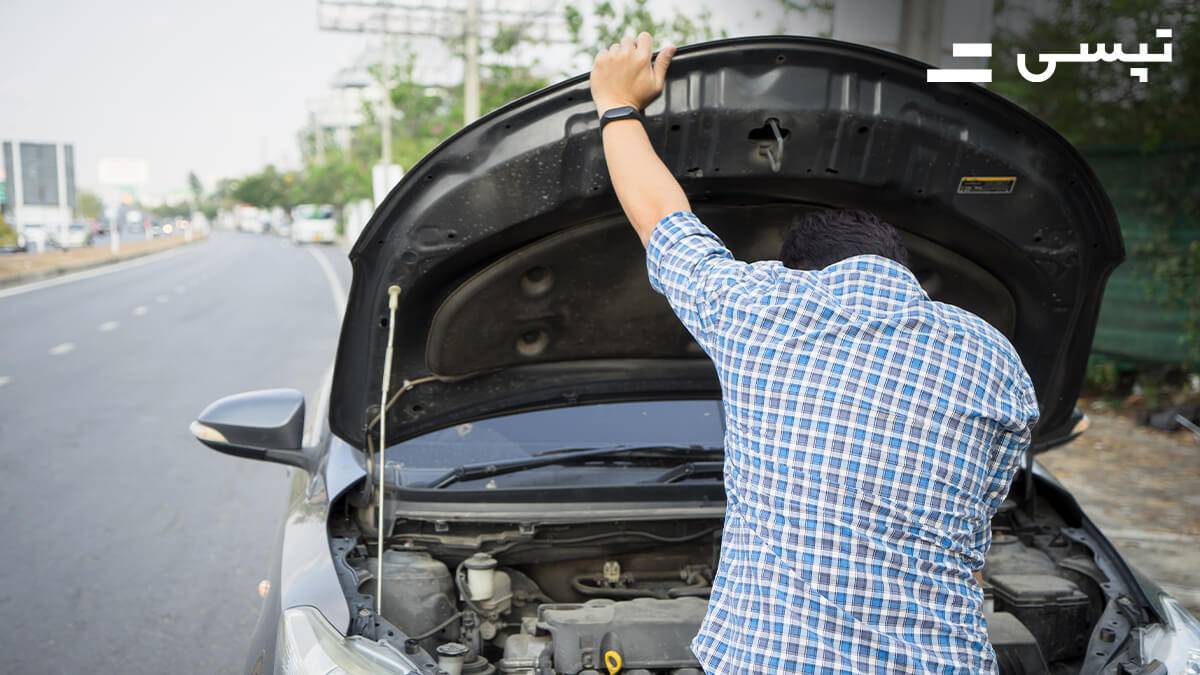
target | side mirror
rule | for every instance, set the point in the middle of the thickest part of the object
(266, 425)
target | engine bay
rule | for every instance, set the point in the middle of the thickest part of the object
(528, 597)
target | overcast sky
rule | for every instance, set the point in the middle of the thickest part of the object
(215, 87)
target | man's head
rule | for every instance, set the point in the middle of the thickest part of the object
(821, 238)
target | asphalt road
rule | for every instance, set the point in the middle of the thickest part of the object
(126, 546)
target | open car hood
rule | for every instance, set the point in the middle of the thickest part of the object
(523, 286)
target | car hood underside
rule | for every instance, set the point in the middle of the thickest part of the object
(523, 287)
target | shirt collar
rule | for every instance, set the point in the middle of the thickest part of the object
(872, 282)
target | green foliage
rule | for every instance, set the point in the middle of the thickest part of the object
(196, 188)
(1099, 103)
(88, 205)
(1096, 104)
(613, 22)
(269, 188)
(180, 210)
(8, 236)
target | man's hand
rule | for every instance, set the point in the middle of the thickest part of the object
(623, 74)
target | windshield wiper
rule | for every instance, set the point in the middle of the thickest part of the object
(571, 455)
(689, 470)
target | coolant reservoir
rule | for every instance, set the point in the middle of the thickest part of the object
(418, 591)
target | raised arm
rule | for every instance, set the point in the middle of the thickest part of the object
(623, 75)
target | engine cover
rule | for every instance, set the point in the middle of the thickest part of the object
(649, 633)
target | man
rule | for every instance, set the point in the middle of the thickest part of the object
(871, 432)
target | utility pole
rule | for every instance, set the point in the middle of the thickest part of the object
(452, 21)
(471, 64)
(385, 113)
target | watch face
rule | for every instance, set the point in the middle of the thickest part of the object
(623, 112)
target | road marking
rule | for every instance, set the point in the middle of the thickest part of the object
(4, 379)
(161, 298)
(140, 310)
(179, 290)
(335, 286)
(316, 424)
(108, 326)
(64, 348)
(90, 274)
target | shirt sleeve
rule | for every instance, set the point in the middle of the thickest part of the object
(694, 270)
(1013, 442)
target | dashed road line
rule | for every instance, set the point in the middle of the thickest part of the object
(179, 290)
(64, 348)
(4, 379)
(140, 310)
(108, 326)
(161, 298)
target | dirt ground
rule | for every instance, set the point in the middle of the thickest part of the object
(22, 267)
(1142, 488)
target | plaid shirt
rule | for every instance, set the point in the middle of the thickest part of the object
(871, 435)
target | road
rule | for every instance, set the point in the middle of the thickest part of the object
(127, 546)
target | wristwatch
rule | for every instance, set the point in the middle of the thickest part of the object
(623, 112)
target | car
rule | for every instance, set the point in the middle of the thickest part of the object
(36, 237)
(517, 464)
(75, 235)
(314, 223)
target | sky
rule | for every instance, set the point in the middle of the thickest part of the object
(218, 88)
(184, 84)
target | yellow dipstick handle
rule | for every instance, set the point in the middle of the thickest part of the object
(612, 661)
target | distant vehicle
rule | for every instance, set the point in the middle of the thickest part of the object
(249, 219)
(314, 223)
(35, 237)
(134, 221)
(76, 235)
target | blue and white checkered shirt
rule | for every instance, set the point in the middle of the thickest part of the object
(871, 435)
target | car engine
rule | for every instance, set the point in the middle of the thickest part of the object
(539, 598)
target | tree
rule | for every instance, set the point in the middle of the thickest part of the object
(266, 189)
(196, 188)
(1100, 104)
(611, 23)
(88, 205)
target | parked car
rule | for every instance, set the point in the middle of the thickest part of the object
(552, 437)
(36, 237)
(314, 223)
(76, 235)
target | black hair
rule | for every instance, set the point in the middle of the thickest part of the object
(821, 238)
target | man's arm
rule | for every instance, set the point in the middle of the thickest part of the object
(623, 75)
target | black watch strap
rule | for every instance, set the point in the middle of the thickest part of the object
(623, 112)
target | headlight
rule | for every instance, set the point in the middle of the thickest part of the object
(1176, 644)
(307, 643)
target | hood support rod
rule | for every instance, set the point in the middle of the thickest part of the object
(393, 302)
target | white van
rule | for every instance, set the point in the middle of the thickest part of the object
(314, 223)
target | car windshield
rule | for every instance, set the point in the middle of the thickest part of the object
(645, 423)
(315, 212)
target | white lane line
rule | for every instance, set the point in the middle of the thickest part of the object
(90, 274)
(335, 286)
(108, 326)
(64, 348)
(4, 379)
(161, 298)
(179, 290)
(316, 425)
(140, 310)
